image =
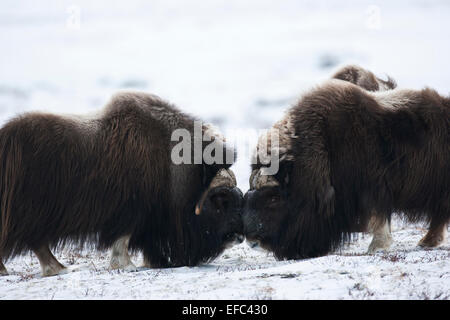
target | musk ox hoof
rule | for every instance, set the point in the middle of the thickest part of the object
(119, 264)
(379, 244)
(130, 268)
(431, 241)
(3, 272)
(53, 270)
(256, 245)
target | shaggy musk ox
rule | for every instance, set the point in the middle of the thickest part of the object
(381, 229)
(109, 179)
(350, 158)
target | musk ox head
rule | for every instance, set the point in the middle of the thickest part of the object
(220, 207)
(265, 209)
(290, 212)
(206, 216)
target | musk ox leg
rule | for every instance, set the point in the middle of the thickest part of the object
(147, 263)
(49, 265)
(120, 259)
(382, 238)
(436, 235)
(3, 271)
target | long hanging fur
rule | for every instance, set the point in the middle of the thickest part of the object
(353, 153)
(68, 179)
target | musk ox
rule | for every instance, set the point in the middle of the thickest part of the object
(381, 229)
(109, 179)
(349, 158)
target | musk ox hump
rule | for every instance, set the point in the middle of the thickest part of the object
(364, 78)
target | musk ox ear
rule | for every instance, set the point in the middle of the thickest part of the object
(222, 181)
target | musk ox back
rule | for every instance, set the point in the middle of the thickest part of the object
(101, 178)
(347, 156)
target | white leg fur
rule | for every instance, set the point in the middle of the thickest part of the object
(382, 238)
(120, 259)
(49, 265)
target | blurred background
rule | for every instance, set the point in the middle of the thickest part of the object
(236, 64)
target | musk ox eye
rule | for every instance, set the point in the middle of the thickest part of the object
(273, 200)
(221, 201)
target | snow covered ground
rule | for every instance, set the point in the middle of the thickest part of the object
(237, 64)
(404, 272)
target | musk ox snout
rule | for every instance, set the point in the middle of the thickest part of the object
(251, 222)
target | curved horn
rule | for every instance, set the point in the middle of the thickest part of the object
(223, 178)
(258, 180)
(251, 181)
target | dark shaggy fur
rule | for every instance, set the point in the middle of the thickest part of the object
(352, 154)
(364, 78)
(66, 179)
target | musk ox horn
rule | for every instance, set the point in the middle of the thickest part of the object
(223, 178)
(258, 180)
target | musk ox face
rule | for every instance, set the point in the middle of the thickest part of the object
(265, 209)
(220, 207)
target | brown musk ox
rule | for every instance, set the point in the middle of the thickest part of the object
(350, 157)
(381, 229)
(109, 179)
